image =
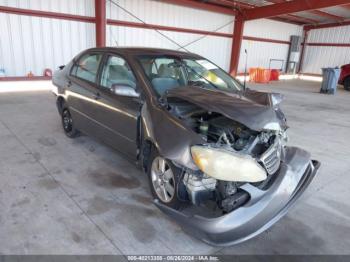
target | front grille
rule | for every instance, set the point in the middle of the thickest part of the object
(271, 159)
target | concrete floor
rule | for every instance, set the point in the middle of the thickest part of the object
(64, 196)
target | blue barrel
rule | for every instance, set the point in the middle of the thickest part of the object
(330, 80)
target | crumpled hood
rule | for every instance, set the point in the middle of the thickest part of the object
(251, 108)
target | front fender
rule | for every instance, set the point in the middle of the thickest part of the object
(172, 139)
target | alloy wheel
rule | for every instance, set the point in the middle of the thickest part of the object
(163, 180)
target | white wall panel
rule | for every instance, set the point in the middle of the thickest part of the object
(339, 34)
(160, 13)
(216, 49)
(77, 7)
(317, 57)
(34, 43)
(266, 28)
(260, 53)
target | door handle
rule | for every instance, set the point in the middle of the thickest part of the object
(69, 83)
(97, 96)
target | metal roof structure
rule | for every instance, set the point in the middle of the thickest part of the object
(306, 12)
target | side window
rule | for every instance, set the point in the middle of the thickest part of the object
(117, 71)
(87, 66)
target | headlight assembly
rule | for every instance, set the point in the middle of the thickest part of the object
(227, 166)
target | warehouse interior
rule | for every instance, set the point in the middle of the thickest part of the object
(79, 196)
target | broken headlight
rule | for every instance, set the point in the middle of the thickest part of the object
(227, 166)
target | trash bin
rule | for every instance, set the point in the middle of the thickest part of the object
(252, 74)
(275, 75)
(259, 75)
(330, 80)
(263, 75)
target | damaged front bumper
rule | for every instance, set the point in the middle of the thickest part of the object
(262, 210)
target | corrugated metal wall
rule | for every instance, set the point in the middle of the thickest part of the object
(317, 57)
(260, 53)
(217, 49)
(75, 7)
(33, 44)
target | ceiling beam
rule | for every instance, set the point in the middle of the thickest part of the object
(290, 7)
(46, 14)
(303, 19)
(346, 6)
(316, 12)
(328, 15)
(232, 3)
(203, 6)
(294, 19)
(288, 18)
(327, 25)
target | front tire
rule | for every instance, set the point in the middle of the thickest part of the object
(68, 124)
(164, 180)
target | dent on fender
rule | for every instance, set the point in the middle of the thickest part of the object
(171, 138)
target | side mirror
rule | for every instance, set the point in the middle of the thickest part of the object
(124, 90)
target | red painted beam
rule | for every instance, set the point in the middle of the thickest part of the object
(329, 44)
(288, 20)
(328, 25)
(19, 11)
(236, 44)
(294, 19)
(100, 22)
(190, 31)
(46, 14)
(303, 19)
(166, 28)
(327, 15)
(233, 4)
(316, 12)
(290, 7)
(266, 40)
(203, 6)
(346, 6)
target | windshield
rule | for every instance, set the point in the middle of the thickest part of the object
(166, 73)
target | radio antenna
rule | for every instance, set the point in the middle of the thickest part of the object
(245, 68)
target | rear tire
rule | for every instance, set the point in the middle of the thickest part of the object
(68, 124)
(347, 83)
(164, 180)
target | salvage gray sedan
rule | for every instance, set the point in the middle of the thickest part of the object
(215, 152)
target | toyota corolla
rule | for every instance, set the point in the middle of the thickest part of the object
(214, 151)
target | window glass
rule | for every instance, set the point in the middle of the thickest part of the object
(166, 73)
(117, 71)
(87, 67)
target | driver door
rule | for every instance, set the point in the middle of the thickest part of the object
(118, 114)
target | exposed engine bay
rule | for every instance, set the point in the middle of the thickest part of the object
(225, 134)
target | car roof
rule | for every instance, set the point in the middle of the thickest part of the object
(146, 51)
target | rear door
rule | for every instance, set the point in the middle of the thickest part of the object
(118, 114)
(83, 92)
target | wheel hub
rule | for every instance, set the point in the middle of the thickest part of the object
(163, 180)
